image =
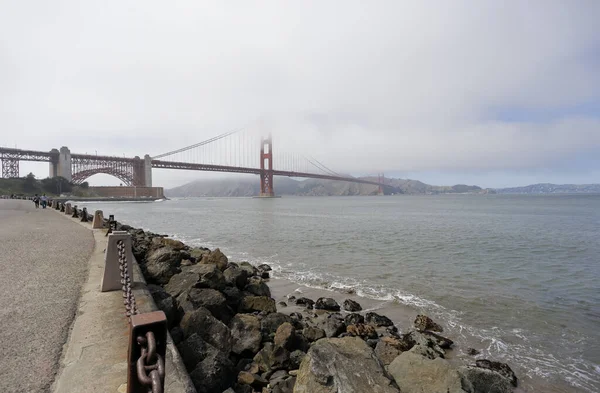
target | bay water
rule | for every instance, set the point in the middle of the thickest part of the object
(516, 277)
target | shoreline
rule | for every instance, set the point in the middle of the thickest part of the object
(279, 290)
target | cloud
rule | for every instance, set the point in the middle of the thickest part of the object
(363, 86)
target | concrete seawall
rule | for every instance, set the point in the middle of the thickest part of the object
(95, 355)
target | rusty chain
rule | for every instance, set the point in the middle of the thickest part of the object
(152, 362)
(149, 360)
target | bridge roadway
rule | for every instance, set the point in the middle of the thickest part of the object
(43, 265)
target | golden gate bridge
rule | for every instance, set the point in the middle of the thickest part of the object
(233, 152)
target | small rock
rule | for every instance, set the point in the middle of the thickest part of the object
(257, 287)
(264, 267)
(386, 352)
(326, 303)
(362, 330)
(270, 324)
(423, 322)
(377, 320)
(256, 381)
(333, 325)
(501, 368)
(293, 373)
(303, 301)
(486, 380)
(351, 305)
(282, 304)
(291, 297)
(286, 336)
(473, 352)
(296, 358)
(257, 303)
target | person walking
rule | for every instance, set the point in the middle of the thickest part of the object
(44, 201)
(36, 201)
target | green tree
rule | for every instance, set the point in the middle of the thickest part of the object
(85, 185)
(30, 184)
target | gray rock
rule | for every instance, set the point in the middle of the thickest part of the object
(235, 276)
(415, 374)
(386, 352)
(181, 282)
(296, 358)
(351, 305)
(233, 296)
(213, 374)
(501, 368)
(257, 303)
(346, 365)
(284, 386)
(354, 319)
(245, 330)
(210, 329)
(257, 287)
(423, 322)
(485, 380)
(249, 268)
(377, 320)
(216, 258)
(303, 301)
(362, 330)
(326, 303)
(213, 301)
(209, 276)
(285, 337)
(256, 381)
(270, 323)
(333, 325)
(313, 333)
(162, 264)
(271, 358)
(428, 342)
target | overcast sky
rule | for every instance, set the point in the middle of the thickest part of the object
(494, 93)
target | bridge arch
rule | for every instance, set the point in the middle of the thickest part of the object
(125, 176)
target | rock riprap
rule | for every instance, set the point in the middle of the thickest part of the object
(231, 338)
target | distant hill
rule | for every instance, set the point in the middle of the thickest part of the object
(547, 188)
(246, 187)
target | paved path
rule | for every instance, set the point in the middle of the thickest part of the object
(43, 265)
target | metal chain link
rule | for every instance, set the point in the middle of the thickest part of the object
(129, 297)
(149, 361)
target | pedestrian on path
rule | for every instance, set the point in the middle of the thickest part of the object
(44, 201)
(36, 201)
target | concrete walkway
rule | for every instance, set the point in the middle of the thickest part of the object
(43, 265)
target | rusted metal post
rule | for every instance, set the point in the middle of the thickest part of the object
(146, 354)
(84, 215)
(111, 279)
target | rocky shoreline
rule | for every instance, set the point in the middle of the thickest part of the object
(232, 338)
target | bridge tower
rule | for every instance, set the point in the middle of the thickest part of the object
(381, 181)
(266, 167)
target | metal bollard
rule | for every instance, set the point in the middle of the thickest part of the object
(112, 224)
(57, 205)
(98, 221)
(84, 215)
(62, 207)
(75, 212)
(146, 354)
(111, 279)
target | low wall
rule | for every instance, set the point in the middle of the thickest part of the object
(129, 192)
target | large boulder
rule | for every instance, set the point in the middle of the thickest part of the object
(197, 253)
(428, 344)
(164, 302)
(484, 380)
(216, 258)
(211, 369)
(415, 374)
(236, 277)
(181, 282)
(257, 287)
(423, 322)
(306, 302)
(249, 268)
(326, 303)
(313, 333)
(209, 276)
(162, 264)
(167, 242)
(351, 305)
(210, 329)
(272, 358)
(354, 319)
(245, 330)
(257, 303)
(286, 337)
(346, 365)
(213, 301)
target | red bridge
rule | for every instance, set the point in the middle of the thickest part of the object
(230, 152)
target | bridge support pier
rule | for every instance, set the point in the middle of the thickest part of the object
(266, 168)
(147, 170)
(63, 167)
